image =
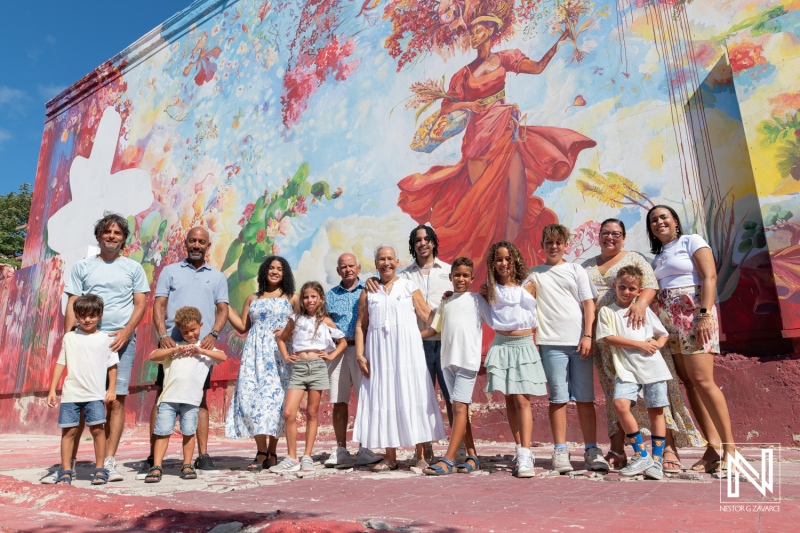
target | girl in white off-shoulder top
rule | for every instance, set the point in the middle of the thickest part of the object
(513, 365)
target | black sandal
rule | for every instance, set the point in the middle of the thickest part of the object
(155, 475)
(271, 460)
(257, 465)
(188, 472)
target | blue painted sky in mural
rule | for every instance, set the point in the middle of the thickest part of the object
(49, 45)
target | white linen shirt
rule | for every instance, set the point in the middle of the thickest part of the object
(437, 284)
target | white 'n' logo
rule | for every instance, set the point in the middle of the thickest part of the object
(738, 464)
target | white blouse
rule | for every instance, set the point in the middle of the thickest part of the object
(305, 340)
(674, 267)
(513, 309)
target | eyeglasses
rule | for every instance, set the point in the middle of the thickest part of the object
(613, 234)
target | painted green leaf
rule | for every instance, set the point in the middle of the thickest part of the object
(238, 291)
(148, 270)
(320, 189)
(234, 251)
(749, 225)
(137, 255)
(748, 235)
(760, 241)
(305, 189)
(149, 226)
(258, 210)
(745, 245)
(248, 267)
(250, 230)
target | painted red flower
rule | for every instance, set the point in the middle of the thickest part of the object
(248, 210)
(745, 55)
(261, 235)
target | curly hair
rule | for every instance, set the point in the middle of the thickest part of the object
(322, 311)
(555, 231)
(108, 219)
(520, 269)
(187, 315)
(287, 282)
(655, 243)
(434, 240)
(503, 10)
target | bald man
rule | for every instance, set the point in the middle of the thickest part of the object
(342, 304)
(192, 282)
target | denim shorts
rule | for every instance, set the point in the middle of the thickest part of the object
(568, 376)
(655, 394)
(169, 411)
(69, 413)
(126, 356)
(460, 382)
(433, 359)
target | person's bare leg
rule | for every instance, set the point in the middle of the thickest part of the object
(292, 404)
(517, 196)
(340, 419)
(312, 419)
(449, 408)
(700, 413)
(67, 443)
(77, 437)
(476, 168)
(202, 427)
(557, 412)
(700, 368)
(511, 413)
(160, 450)
(459, 428)
(588, 422)
(626, 419)
(99, 438)
(188, 449)
(153, 415)
(114, 425)
(525, 419)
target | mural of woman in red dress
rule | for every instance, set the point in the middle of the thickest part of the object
(488, 195)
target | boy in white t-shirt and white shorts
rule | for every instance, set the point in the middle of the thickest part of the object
(186, 367)
(459, 320)
(640, 368)
(565, 305)
(90, 364)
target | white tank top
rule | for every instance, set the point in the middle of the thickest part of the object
(304, 339)
(513, 309)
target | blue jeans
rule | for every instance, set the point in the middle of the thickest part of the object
(69, 413)
(655, 394)
(568, 376)
(433, 358)
(169, 411)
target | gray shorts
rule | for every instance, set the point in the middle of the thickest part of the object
(655, 394)
(460, 382)
(310, 375)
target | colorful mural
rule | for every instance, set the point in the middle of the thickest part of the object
(765, 60)
(310, 128)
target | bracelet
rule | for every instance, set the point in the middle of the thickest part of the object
(163, 335)
(703, 315)
(585, 335)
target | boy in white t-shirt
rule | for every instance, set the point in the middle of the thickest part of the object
(565, 305)
(459, 320)
(89, 361)
(186, 367)
(640, 367)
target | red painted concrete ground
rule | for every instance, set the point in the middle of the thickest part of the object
(335, 501)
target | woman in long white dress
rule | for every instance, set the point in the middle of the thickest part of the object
(397, 405)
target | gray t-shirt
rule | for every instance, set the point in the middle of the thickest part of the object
(182, 285)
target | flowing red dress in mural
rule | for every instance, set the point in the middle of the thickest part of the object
(469, 217)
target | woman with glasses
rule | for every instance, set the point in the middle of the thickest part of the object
(603, 270)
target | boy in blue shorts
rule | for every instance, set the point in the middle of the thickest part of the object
(89, 361)
(566, 311)
(186, 367)
(639, 367)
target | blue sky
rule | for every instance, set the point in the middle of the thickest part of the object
(49, 45)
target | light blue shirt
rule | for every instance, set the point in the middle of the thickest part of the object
(342, 305)
(183, 285)
(114, 281)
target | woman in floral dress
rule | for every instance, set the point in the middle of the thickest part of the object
(256, 409)
(603, 271)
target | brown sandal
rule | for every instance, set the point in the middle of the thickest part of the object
(617, 461)
(676, 466)
(385, 466)
(706, 465)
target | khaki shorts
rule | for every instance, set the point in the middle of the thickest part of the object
(344, 374)
(309, 375)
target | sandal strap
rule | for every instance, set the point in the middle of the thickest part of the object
(154, 468)
(616, 454)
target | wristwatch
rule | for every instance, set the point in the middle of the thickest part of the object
(162, 336)
(215, 333)
(703, 311)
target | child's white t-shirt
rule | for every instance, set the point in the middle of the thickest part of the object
(674, 267)
(87, 357)
(560, 289)
(631, 365)
(184, 377)
(459, 319)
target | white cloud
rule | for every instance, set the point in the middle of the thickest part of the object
(5, 135)
(50, 91)
(11, 96)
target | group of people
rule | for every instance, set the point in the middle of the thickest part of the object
(392, 338)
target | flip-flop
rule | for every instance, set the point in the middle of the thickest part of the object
(385, 466)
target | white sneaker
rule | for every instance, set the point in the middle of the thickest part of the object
(110, 464)
(51, 478)
(636, 465)
(561, 462)
(656, 471)
(365, 457)
(525, 466)
(307, 464)
(287, 465)
(593, 460)
(340, 458)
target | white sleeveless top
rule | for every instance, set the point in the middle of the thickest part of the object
(513, 309)
(304, 339)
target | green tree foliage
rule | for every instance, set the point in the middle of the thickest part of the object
(14, 210)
